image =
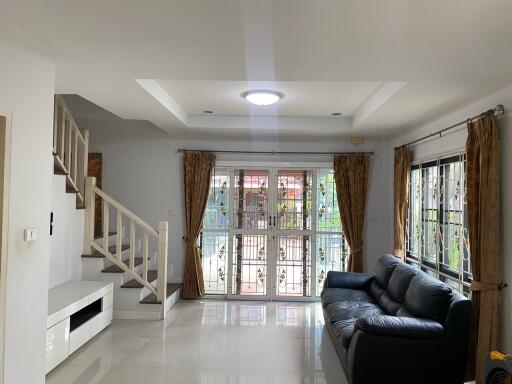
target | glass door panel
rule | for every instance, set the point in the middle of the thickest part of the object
(251, 206)
(249, 265)
(294, 199)
(250, 233)
(292, 253)
(294, 266)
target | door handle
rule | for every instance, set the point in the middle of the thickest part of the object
(269, 220)
(274, 221)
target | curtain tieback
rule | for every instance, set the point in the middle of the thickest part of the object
(356, 250)
(189, 242)
(482, 286)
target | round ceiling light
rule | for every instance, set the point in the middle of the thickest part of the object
(262, 97)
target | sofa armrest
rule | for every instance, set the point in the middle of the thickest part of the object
(380, 358)
(348, 280)
(404, 327)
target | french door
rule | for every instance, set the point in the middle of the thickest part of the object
(271, 233)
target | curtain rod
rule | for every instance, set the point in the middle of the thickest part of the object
(279, 152)
(498, 109)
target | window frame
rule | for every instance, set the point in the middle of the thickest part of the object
(461, 277)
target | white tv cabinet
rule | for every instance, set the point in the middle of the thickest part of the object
(77, 311)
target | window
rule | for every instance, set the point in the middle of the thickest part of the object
(437, 235)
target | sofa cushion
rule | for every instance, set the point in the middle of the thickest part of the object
(428, 298)
(351, 310)
(402, 312)
(376, 291)
(343, 330)
(334, 295)
(388, 304)
(384, 269)
(400, 280)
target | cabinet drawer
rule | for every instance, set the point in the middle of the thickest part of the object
(88, 330)
(57, 344)
(107, 301)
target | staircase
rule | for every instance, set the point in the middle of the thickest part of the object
(136, 261)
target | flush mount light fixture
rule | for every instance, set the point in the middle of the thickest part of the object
(262, 97)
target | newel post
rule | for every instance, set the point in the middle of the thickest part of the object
(90, 207)
(163, 229)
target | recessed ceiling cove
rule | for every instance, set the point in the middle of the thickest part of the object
(315, 100)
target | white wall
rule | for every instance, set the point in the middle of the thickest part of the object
(26, 93)
(66, 243)
(143, 170)
(457, 140)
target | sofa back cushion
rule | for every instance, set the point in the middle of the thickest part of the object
(388, 304)
(376, 291)
(399, 281)
(428, 298)
(384, 269)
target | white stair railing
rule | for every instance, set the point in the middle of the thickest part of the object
(70, 149)
(146, 233)
(70, 152)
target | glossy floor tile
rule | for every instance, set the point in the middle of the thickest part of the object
(210, 342)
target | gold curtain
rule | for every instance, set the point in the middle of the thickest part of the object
(197, 167)
(483, 197)
(351, 177)
(401, 184)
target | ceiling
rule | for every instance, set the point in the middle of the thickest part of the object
(385, 65)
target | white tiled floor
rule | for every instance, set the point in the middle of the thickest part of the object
(210, 342)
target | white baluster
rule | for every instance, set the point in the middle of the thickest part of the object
(119, 241)
(68, 144)
(132, 245)
(89, 200)
(163, 229)
(55, 125)
(105, 224)
(62, 133)
(145, 254)
(75, 157)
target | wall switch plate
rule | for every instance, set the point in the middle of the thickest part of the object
(30, 234)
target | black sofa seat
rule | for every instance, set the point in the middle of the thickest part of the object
(396, 325)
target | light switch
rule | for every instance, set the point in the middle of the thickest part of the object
(30, 234)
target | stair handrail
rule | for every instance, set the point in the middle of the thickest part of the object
(126, 211)
(161, 235)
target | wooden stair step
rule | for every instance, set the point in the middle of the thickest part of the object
(115, 269)
(58, 166)
(100, 235)
(112, 249)
(152, 275)
(171, 288)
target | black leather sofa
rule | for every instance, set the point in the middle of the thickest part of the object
(396, 325)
